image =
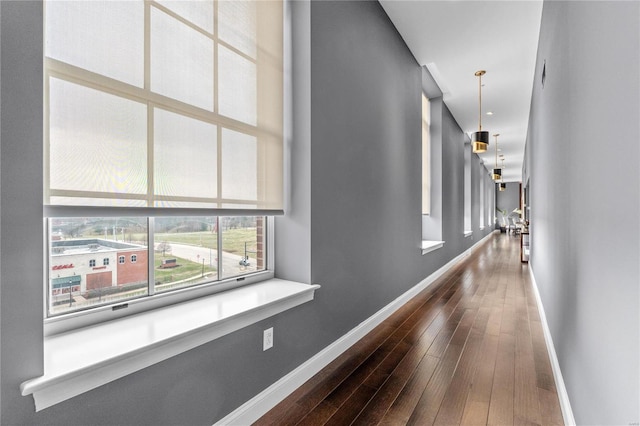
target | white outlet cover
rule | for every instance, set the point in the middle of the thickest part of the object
(267, 339)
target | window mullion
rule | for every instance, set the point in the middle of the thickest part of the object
(219, 243)
(150, 109)
(151, 260)
(216, 107)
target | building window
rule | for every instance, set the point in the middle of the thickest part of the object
(482, 194)
(161, 107)
(426, 156)
(92, 263)
(105, 261)
(467, 187)
(432, 118)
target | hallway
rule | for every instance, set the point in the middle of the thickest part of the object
(467, 350)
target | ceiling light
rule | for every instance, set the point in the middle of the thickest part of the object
(490, 113)
(497, 172)
(480, 139)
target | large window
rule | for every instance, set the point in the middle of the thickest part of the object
(163, 145)
(432, 170)
(426, 156)
(482, 193)
(467, 188)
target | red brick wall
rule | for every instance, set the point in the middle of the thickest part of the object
(129, 273)
(260, 241)
(99, 280)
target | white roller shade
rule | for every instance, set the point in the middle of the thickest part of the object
(164, 104)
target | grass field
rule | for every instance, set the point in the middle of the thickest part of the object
(232, 240)
(186, 270)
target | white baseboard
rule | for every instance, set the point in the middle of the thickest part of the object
(259, 405)
(563, 396)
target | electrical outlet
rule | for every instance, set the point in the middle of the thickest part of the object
(267, 339)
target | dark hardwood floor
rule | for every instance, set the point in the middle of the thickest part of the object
(467, 350)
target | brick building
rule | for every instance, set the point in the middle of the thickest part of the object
(95, 264)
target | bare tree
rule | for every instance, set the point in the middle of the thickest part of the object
(164, 247)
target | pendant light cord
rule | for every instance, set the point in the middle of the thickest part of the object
(480, 102)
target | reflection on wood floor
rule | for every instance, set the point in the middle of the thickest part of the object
(468, 350)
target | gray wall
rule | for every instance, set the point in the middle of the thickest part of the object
(583, 157)
(354, 222)
(21, 256)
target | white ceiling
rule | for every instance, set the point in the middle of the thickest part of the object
(456, 38)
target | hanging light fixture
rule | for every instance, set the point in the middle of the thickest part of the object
(497, 172)
(480, 139)
(502, 186)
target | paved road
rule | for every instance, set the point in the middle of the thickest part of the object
(230, 262)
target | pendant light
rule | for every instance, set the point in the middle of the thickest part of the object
(497, 172)
(502, 186)
(480, 139)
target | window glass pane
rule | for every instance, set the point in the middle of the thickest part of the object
(200, 12)
(482, 200)
(239, 165)
(186, 251)
(76, 281)
(105, 37)
(243, 248)
(467, 187)
(185, 156)
(237, 21)
(98, 141)
(237, 86)
(181, 61)
(426, 157)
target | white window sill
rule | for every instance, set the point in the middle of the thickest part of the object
(482, 228)
(429, 246)
(468, 233)
(83, 359)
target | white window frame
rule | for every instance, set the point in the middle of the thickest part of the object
(98, 314)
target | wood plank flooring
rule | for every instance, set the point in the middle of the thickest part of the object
(467, 350)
